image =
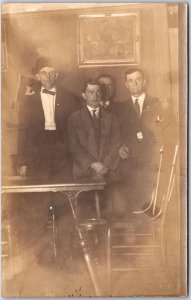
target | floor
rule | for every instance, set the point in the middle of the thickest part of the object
(31, 270)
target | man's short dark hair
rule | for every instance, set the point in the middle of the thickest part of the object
(106, 76)
(90, 82)
(42, 62)
(133, 70)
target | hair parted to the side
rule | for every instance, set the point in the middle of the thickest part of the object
(90, 82)
(133, 70)
(43, 61)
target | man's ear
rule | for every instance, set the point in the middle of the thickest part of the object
(84, 96)
(56, 75)
(144, 83)
(126, 85)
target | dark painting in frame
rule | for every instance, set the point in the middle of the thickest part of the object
(105, 39)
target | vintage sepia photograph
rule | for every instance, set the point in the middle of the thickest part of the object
(94, 150)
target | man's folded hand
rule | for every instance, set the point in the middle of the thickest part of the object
(104, 170)
(99, 168)
(124, 152)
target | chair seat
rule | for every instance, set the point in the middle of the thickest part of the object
(133, 219)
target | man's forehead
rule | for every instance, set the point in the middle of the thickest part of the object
(93, 86)
(105, 80)
(47, 69)
(134, 74)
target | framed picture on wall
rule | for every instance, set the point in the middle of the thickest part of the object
(105, 39)
(4, 60)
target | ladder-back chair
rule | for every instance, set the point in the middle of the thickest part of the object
(138, 244)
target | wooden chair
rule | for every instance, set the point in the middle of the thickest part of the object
(137, 245)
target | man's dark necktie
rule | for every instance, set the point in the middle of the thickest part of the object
(45, 91)
(94, 116)
(137, 108)
(95, 120)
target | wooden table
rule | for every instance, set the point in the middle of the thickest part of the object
(72, 190)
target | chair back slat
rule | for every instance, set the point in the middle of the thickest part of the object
(158, 180)
(172, 171)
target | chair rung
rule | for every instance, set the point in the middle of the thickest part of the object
(4, 255)
(134, 234)
(135, 269)
(134, 246)
(4, 242)
(134, 254)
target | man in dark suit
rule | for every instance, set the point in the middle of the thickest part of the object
(108, 102)
(43, 148)
(94, 137)
(141, 123)
(44, 111)
(94, 140)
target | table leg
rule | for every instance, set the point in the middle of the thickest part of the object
(54, 229)
(72, 197)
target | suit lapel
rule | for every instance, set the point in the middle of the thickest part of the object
(146, 105)
(57, 105)
(88, 128)
(58, 97)
(134, 120)
(105, 124)
(132, 108)
(38, 108)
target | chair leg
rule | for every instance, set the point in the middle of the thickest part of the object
(54, 235)
(97, 204)
(165, 262)
(109, 261)
(54, 230)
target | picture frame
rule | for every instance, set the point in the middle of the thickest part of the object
(105, 39)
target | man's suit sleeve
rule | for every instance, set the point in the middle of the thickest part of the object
(23, 129)
(79, 153)
(112, 158)
(73, 102)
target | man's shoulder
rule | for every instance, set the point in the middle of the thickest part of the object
(123, 106)
(30, 96)
(64, 93)
(77, 114)
(68, 99)
(116, 105)
(152, 100)
(109, 116)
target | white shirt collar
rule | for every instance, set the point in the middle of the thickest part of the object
(141, 98)
(91, 108)
(52, 89)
